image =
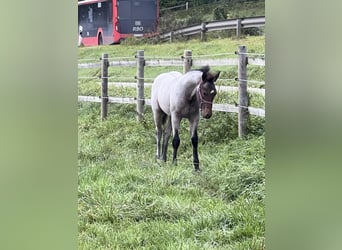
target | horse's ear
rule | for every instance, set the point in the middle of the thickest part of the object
(204, 76)
(216, 76)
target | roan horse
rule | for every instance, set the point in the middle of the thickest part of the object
(175, 96)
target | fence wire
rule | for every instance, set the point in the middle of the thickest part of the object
(89, 59)
(214, 55)
(251, 54)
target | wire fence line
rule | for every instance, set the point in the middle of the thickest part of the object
(214, 55)
(171, 57)
(170, 61)
(174, 62)
(220, 88)
(152, 78)
(89, 59)
(251, 54)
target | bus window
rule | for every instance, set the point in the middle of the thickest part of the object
(100, 16)
(90, 14)
(82, 15)
(110, 12)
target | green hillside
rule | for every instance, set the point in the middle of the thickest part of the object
(205, 11)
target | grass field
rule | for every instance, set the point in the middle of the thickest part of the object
(129, 201)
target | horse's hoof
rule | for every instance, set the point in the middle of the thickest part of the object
(197, 166)
(197, 171)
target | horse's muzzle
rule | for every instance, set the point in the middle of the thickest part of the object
(206, 111)
(206, 115)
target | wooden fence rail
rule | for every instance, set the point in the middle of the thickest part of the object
(242, 108)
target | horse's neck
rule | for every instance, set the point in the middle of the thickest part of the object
(191, 87)
(193, 95)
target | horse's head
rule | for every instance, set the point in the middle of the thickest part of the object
(206, 92)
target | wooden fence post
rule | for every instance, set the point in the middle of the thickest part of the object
(187, 61)
(104, 86)
(140, 85)
(238, 28)
(243, 94)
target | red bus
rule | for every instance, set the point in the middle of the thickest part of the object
(110, 21)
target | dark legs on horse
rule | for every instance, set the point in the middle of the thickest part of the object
(175, 120)
(166, 137)
(194, 141)
(175, 144)
(159, 135)
(164, 125)
(163, 129)
(159, 118)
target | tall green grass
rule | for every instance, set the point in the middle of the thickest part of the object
(129, 201)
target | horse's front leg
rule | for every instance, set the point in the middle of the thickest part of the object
(175, 145)
(176, 140)
(194, 141)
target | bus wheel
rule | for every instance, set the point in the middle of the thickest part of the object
(100, 40)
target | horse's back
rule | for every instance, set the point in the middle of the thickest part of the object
(163, 80)
(161, 88)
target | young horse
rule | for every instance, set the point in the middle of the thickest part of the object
(175, 96)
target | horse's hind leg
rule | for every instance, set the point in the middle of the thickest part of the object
(166, 137)
(158, 136)
(158, 119)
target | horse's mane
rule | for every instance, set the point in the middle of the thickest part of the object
(205, 69)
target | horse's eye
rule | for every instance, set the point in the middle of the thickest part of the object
(212, 92)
